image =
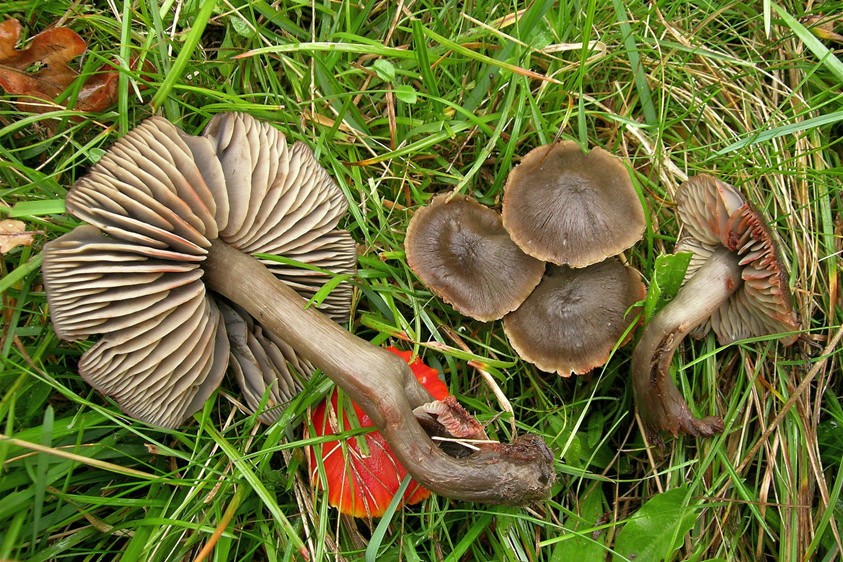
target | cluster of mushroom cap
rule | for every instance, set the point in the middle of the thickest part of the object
(201, 256)
(544, 264)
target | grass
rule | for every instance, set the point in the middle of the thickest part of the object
(402, 100)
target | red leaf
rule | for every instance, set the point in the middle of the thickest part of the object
(363, 483)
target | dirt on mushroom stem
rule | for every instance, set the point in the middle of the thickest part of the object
(384, 387)
(660, 405)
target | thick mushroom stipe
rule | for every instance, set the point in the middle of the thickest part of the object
(660, 405)
(385, 388)
(460, 250)
(735, 285)
(173, 227)
(570, 208)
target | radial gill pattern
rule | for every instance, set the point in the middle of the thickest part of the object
(715, 214)
(155, 201)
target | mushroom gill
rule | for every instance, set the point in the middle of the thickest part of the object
(175, 221)
(737, 283)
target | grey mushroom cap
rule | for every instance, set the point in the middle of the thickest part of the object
(570, 208)
(716, 215)
(156, 200)
(460, 250)
(576, 317)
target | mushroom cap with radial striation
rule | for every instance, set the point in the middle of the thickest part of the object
(460, 250)
(575, 317)
(570, 208)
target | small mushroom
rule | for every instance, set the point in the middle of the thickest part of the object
(361, 481)
(163, 250)
(737, 282)
(575, 317)
(570, 208)
(460, 250)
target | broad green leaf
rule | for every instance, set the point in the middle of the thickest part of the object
(584, 541)
(658, 528)
(406, 93)
(384, 69)
(667, 278)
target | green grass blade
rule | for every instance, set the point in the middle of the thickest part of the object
(789, 129)
(176, 73)
(268, 499)
(383, 525)
(639, 73)
(825, 55)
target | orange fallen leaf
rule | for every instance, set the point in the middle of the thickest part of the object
(51, 49)
(13, 234)
(41, 69)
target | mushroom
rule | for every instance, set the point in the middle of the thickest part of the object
(361, 481)
(164, 252)
(160, 196)
(736, 282)
(570, 208)
(460, 250)
(575, 317)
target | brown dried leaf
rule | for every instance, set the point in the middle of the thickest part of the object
(52, 49)
(13, 234)
(41, 71)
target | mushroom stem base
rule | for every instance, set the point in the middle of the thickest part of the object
(659, 403)
(383, 386)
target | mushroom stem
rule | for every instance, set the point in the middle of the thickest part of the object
(383, 386)
(659, 402)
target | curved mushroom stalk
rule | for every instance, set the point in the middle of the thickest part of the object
(737, 288)
(384, 387)
(167, 209)
(660, 405)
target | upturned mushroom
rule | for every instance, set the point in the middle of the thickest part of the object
(460, 250)
(575, 317)
(159, 197)
(570, 208)
(164, 248)
(736, 282)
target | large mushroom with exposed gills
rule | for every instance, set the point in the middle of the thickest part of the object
(166, 270)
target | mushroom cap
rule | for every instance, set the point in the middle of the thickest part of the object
(460, 250)
(570, 208)
(156, 199)
(360, 483)
(575, 317)
(715, 214)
